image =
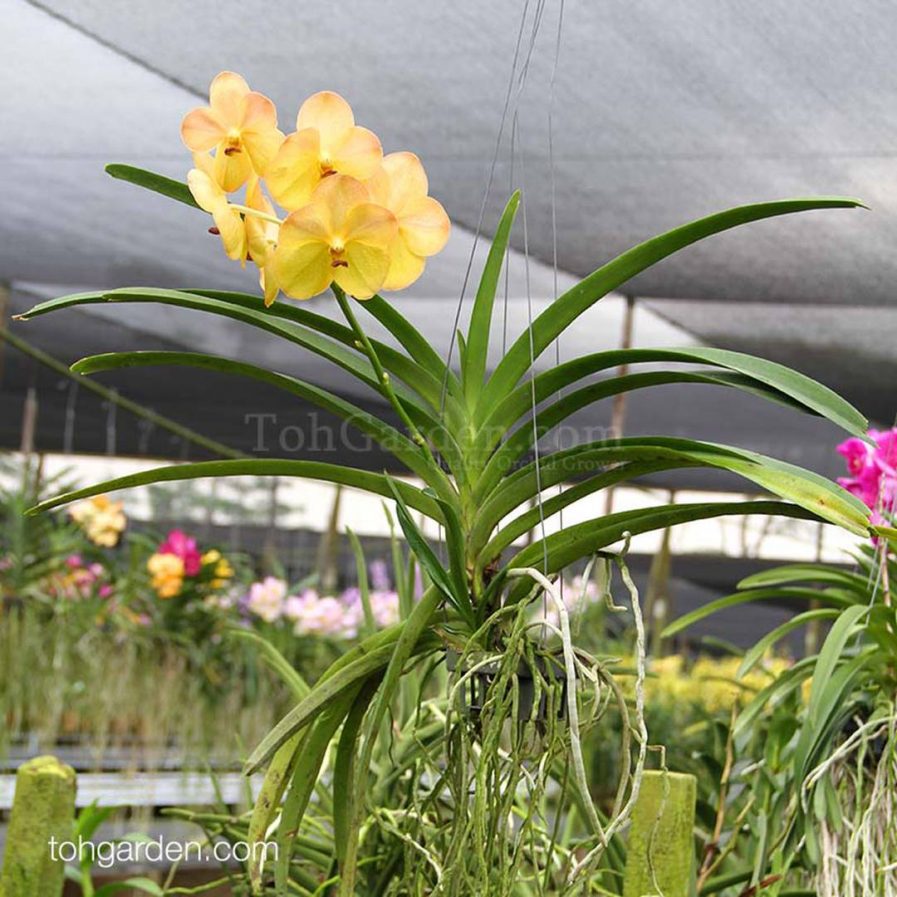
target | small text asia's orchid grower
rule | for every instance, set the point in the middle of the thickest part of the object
(354, 217)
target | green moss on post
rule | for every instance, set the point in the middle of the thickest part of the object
(43, 809)
(660, 855)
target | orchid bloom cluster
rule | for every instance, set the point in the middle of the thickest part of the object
(873, 471)
(353, 216)
(80, 580)
(309, 613)
(102, 520)
(178, 563)
(713, 683)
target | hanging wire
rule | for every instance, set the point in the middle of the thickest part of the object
(482, 215)
(552, 97)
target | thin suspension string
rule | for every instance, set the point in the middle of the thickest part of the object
(532, 360)
(552, 98)
(521, 84)
(482, 215)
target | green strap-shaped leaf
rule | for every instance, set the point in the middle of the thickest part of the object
(262, 467)
(517, 496)
(802, 390)
(273, 659)
(409, 642)
(813, 492)
(447, 582)
(267, 803)
(831, 656)
(257, 316)
(410, 338)
(477, 343)
(375, 657)
(755, 653)
(566, 309)
(806, 573)
(421, 378)
(344, 796)
(802, 595)
(585, 539)
(387, 437)
(157, 183)
(823, 720)
(305, 776)
(547, 419)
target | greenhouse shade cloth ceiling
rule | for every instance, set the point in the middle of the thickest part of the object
(660, 113)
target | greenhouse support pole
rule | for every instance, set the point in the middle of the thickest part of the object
(618, 412)
(42, 817)
(660, 854)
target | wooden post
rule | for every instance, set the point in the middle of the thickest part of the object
(42, 818)
(660, 855)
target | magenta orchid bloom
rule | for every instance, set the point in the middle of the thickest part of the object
(873, 469)
(183, 546)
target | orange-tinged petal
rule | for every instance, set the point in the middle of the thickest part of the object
(358, 154)
(424, 226)
(268, 283)
(295, 170)
(302, 271)
(233, 232)
(339, 195)
(258, 131)
(206, 192)
(404, 266)
(407, 180)
(301, 263)
(226, 94)
(233, 169)
(211, 198)
(330, 114)
(366, 269)
(371, 225)
(378, 186)
(261, 234)
(202, 130)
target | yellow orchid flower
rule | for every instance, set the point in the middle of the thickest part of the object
(262, 234)
(341, 237)
(211, 197)
(326, 141)
(401, 186)
(240, 125)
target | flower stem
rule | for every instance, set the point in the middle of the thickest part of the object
(385, 384)
(256, 213)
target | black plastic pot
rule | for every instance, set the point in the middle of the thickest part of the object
(475, 692)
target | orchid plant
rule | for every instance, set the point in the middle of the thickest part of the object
(323, 207)
(830, 768)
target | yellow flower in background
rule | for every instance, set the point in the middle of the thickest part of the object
(327, 141)
(709, 682)
(102, 519)
(240, 125)
(167, 571)
(401, 185)
(223, 571)
(211, 198)
(339, 237)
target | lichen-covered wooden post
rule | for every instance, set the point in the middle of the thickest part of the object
(660, 855)
(43, 809)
